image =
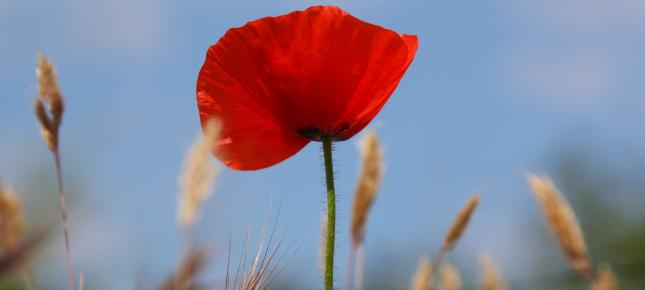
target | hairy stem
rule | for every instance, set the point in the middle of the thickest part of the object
(331, 214)
(63, 210)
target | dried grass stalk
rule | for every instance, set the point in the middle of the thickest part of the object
(323, 244)
(460, 224)
(368, 184)
(196, 181)
(49, 105)
(11, 219)
(491, 279)
(562, 222)
(81, 282)
(422, 279)
(450, 279)
(605, 279)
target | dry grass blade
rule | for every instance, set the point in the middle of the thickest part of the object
(49, 105)
(422, 279)
(198, 176)
(186, 275)
(368, 184)
(605, 279)
(491, 279)
(562, 222)
(11, 220)
(450, 279)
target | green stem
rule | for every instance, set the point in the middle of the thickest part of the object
(331, 214)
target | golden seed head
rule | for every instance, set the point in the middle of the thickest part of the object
(368, 184)
(196, 181)
(460, 223)
(450, 279)
(422, 279)
(491, 279)
(562, 222)
(49, 105)
(11, 220)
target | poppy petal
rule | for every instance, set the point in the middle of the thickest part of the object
(274, 77)
(248, 143)
(378, 85)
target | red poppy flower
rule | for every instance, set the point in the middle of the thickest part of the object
(277, 83)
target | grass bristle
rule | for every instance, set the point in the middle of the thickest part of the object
(266, 264)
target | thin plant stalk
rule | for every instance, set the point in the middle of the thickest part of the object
(63, 210)
(331, 213)
(443, 252)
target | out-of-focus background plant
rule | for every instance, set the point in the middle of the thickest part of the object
(498, 89)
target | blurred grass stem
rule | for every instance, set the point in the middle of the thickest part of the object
(28, 277)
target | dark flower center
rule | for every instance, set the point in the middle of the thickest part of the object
(317, 134)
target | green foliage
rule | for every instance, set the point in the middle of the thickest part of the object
(11, 283)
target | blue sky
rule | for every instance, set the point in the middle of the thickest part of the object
(495, 86)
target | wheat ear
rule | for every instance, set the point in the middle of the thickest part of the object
(197, 179)
(457, 228)
(562, 222)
